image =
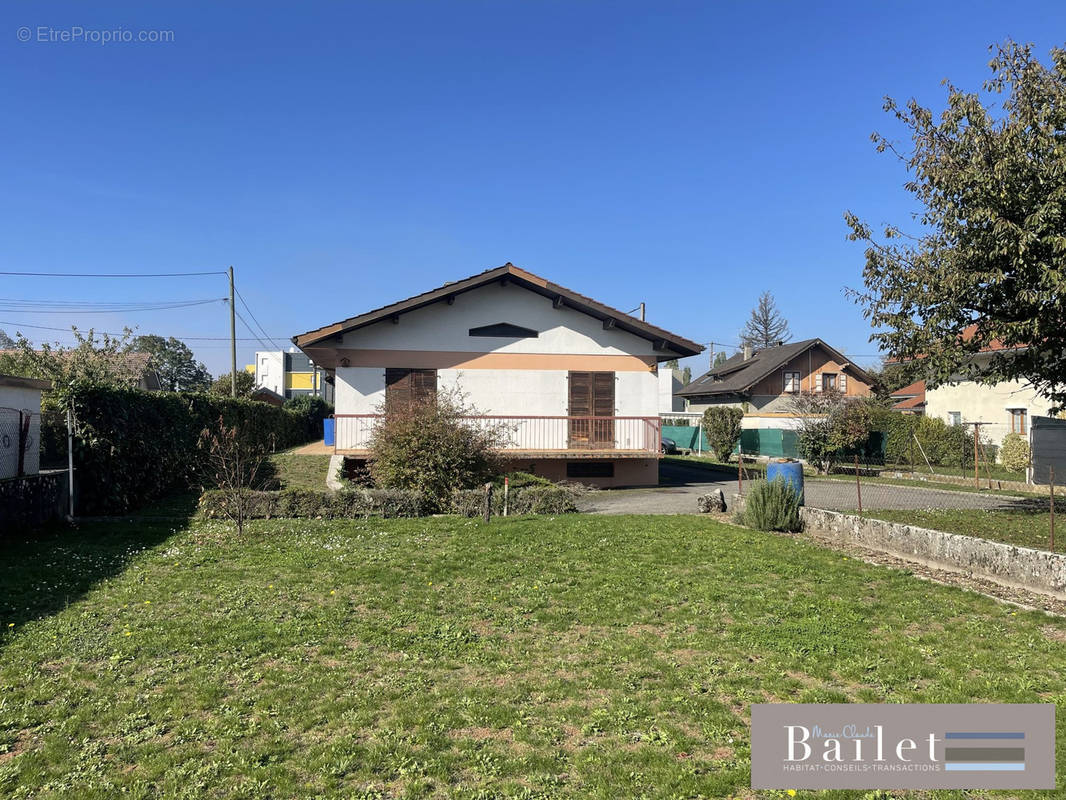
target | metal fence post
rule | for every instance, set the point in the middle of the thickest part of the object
(858, 484)
(740, 471)
(70, 463)
(1051, 482)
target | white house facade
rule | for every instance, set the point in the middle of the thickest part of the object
(575, 383)
(1005, 407)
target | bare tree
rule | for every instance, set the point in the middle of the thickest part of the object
(232, 462)
(766, 327)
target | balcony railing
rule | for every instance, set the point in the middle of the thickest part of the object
(353, 432)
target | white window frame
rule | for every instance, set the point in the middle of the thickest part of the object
(792, 381)
(955, 417)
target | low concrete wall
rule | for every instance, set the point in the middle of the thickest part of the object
(1020, 567)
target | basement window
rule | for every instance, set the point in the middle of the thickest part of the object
(590, 469)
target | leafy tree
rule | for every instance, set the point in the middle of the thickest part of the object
(93, 362)
(720, 358)
(987, 262)
(766, 326)
(686, 376)
(6, 342)
(721, 426)
(178, 369)
(828, 423)
(223, 384)
(429, 447)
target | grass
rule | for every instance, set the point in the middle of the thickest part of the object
(295, 471)
(998, 471)
(581, 657)
(1024, 527)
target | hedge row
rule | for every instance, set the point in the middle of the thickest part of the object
(357, 503)
(943, 444)
(314, 504)
(132, 447)
(523, 500)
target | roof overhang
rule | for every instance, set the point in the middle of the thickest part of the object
(25, 383)
(669, 344)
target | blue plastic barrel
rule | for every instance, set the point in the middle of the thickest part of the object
(328, 431)
(789, 470)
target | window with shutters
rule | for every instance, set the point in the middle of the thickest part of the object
(404, 387)
(792, 382)
(591, 410)
(829, 381)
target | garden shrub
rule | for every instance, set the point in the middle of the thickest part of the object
(944, 445)
(552, 499)
(721, 426)
(432, 447)
(132, 447)
(315, 504)
(1014, 452)
(772, 506)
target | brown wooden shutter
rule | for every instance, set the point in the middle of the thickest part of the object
(406, 386)
(592, 395)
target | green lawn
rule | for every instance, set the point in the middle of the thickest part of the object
(296, 471)
(998, 471)
(1026, 528)
(583, 656)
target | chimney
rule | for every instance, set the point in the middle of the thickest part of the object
(747, 352)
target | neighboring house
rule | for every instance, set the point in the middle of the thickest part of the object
(20, 425)
(265, 395)
(669, 385)
(1002, 408)
(910, 399)
(765, 382)
(576, 382)
(290, 374)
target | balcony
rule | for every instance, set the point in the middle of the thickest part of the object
(541, 437)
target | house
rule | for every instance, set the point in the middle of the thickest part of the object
(764, 383)
(290, 374)
(575, 382)
(1002, 408)
(20, 425)
(910, 399)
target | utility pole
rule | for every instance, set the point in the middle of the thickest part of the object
(232, 337)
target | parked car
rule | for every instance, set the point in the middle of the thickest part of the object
(668, 446)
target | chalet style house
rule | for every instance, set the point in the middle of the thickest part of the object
(575, 382)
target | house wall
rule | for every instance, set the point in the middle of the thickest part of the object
(980, 403)
(497, 375)
(627, 471)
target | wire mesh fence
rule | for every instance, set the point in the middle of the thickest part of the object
(20, 437)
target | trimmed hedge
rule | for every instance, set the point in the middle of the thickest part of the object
(132, 447)
(522, 500)
(314, 504)
(944, 445)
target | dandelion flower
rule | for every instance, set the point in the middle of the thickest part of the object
(332, 592)
(11, 624)
(791, 792)
(128, 633)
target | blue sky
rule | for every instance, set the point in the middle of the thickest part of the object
(343, 156)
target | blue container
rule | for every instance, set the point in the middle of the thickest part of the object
(328, 431)
(789, 470)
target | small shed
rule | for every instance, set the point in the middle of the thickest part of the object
(1048, 448)
(20, 425)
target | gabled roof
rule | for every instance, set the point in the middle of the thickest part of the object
(913, 390)
(737, 376)
(560, 295)
(19, 382)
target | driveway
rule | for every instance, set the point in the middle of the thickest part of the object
(680, 485)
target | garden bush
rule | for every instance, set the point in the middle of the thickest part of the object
(772, 506)
(552, 499)
(314, 504)
(433, 448)
(721, 426)
(1014, 453)
(943, 444)
(132, 447)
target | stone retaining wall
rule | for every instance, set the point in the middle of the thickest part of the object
(1020, 567)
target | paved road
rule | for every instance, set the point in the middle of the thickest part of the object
(680, 485)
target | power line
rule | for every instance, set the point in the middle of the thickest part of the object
(14, 308)
(249, 327)
(18, 325)
(111, 274)
(262, 330)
